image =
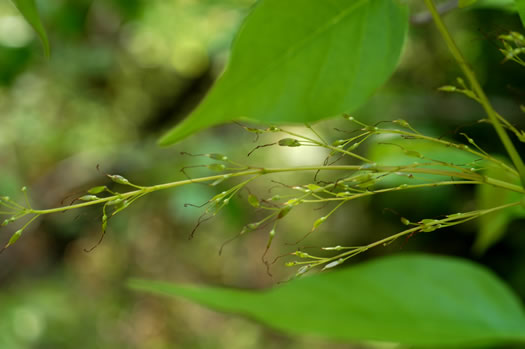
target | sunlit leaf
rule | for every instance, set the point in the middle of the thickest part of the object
(301, 61)
(416, 300)
(28, 9)
(492, 226)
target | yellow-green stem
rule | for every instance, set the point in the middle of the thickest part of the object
(261, 171)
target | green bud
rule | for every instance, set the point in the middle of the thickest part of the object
(301, 254)
(303, 269)
(334, 248)
(88, 198)
(405, 221)
(289, 142)
(333, 264)
(401, 123)
(14, 238)
(353, 147)
(318, 222)
(118, 179)
(284, 211)
(217, 167)
(448, 88)
(252, 200)
(219, 157)
(314, 188)
(114, 202)
(97, 190)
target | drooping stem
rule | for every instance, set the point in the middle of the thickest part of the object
(476, 87)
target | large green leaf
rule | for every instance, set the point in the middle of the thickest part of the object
(492, 226)
(28, 9)
(520, 5)
(415, 300)
(301, 61)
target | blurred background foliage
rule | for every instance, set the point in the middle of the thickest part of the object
(121, 73)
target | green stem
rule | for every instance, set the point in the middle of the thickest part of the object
(471, 76)
(262, 171)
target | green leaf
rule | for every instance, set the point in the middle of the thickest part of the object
(497, 4)
(492, 227)
(466, 3)
(520, 6)
(28, 9)
(300, 61)
(415, 300)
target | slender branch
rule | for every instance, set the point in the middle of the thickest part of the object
(471, 76)
(261, 171)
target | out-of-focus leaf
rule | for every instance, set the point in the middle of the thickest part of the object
(520, 5)
(28, 9)
(501, 4)
(398, 151)
(297, 61)
(415, 300)
(492, 226)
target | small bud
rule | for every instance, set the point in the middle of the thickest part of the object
(217, 167)
(318, 222)
(339, 142)
(405, 221)
(314, 188)
(14, 238)
(88, 198)
(284, 211)
(301, 254)
(334, 248)
(219, 157)
(353, 146)
(448, 88)
(289, 142)
(114, 202)
(303, 269)
(401, 123)
(97, 190)
(252, 200)
(118, 179)
(333, 264)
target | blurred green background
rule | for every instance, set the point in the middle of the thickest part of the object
(121, 73)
